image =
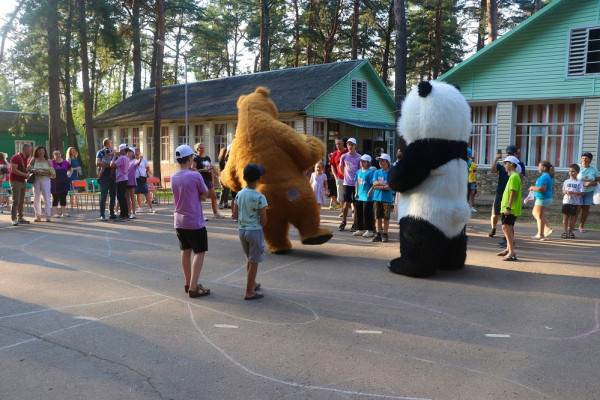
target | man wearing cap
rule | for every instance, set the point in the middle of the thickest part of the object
(188, 188)
(334, 161)
(588, 174)
(349, 164)
(498, 168)
(106, 178)
(121, 165)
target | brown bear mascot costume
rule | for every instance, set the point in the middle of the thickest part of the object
(285, 155)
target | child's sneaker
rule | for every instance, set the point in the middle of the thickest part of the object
(548, 232)
(377, 238)
(342, 227)
(368, 234)
(358, 233)
(385, 238)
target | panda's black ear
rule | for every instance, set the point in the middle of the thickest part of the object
(424, 88)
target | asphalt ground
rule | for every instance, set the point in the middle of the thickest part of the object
(92, 310)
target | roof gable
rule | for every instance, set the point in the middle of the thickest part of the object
(502, 39)
(292, 89)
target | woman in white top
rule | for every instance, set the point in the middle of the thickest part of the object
(42, 171)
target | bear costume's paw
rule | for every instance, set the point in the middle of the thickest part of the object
(321, 238)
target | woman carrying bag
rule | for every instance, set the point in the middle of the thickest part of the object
(41, 174)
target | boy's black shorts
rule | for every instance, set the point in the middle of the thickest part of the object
(349, 194)
(569, 209)
(195, 239)
(508, 219)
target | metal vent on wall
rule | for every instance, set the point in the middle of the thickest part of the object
(577, 52)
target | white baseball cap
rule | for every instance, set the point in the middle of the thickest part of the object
(385, 157)
(123, 146)
(512, 159)
(351, 140)
(183, 151)
(365, 157)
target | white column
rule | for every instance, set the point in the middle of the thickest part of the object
(504, 124)
(590, 131)
(172, 143)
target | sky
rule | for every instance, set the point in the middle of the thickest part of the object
(6, 7)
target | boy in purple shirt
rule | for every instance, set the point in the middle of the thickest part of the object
(189, 191)
(131, 184)
(122, 167)
(349, 165)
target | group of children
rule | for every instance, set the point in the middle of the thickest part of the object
(373, 200)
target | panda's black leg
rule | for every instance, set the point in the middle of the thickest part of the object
(419, 248)
(456, 253)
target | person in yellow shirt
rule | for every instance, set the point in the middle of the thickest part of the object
(472, 180)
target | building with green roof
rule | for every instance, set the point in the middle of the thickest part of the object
(538, 86)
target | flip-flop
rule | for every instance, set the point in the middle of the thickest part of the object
(257, 287)
(199, 292)
(256, 296)
(510, 258)
(502, 253)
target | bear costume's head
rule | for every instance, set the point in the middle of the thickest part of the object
(259, 100)
(435, 110)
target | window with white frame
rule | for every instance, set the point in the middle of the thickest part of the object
(548, 132)
(220, 139)
(20, 143)
(135, 137)
(149, 150)
(359, 94)
(584, 52)
(319, 129)
(122, 138)
(164, 144)
(181, 136)
(483, 133)
(199, 135)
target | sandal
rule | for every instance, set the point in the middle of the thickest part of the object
(342, 226)
(510, 258)
(186, 288)
(199, 292)
(571, 235)
(257, 287)
(565, 235)
(502, 253)
(256, 296)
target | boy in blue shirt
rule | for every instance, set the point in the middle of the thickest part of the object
(364, 198)
(383, 197)
(251, 213)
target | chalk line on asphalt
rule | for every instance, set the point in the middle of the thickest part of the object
(284, 382)
(44, 310)
(45, 335)
(452, 365)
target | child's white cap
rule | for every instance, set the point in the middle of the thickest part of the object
(123, 146)
(183, 151)
(365, 157)
(351, 140)
(512, 159)
(385, 157)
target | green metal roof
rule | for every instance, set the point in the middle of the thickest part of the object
(540, 14)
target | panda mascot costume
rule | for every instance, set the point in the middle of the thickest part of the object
(431, 179)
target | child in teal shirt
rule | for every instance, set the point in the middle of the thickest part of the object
(383, 198)
(364, 198)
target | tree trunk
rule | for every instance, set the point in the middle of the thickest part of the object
(7, 27)
(87, 99)
(385, 62)
(137, 47)
(331, 32)
(296, 33)
(160, 46)
(355, 18)
(71, 131)
(400, 67)
(153, 60)
(481, 26)
(492, 20)
(54, 122)
(125, 68)
(312, 22)
(178, 47)
(265, 48)
(437, 57)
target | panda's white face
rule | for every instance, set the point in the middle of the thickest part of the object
(442, 114)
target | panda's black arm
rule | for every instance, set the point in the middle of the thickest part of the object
(420, 158)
